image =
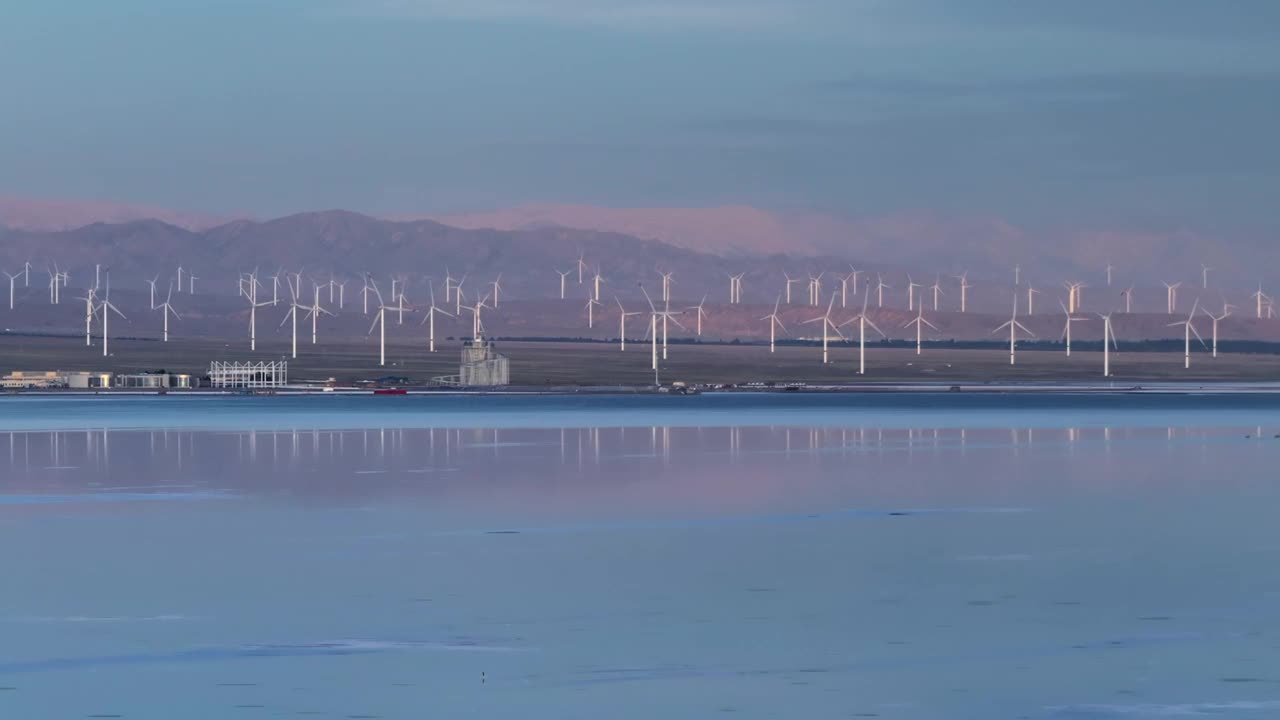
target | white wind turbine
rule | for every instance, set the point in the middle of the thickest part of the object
(1109, 269)
(700, 313)
(666, 286)
(563, 275)
(366, 290)
(1128, 300)
(596, 280)
(937, 291)
(89, 312)
(316, 310)
(666, 315)
(911, 292)
(1226, 313)
(477, 326)
(1031, 299)
(1261, 297)
(252, 295)
(430, 319)
(853, 275)
(591, 315)
(1108, 342)
(964, 291)
(880, 288)
(1014, 326)
(1204, 275)
(827, 324)
(815, 289)
(775, 322)
(342, 295)
(920, 322)
(166, 309)
(735, 288)
(107, 308)
(582, 266)
(457, 295)
(26, 273)
(1066, 330)
(1172, 292)
(497, 288)
(789, 282)
(12, 278)
(294, 307)
(179, 282)
(152, 283)
(275, 288)
(191, 284)
(1189, 329)
(622, 324)
(844, 290)
(863, 321)
(53, 286)
(380, 322)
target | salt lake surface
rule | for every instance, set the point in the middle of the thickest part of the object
(894, 556)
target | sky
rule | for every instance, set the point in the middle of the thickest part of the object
(1156, 113)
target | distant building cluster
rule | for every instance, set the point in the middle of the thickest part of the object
(249, 374)
(86, 380)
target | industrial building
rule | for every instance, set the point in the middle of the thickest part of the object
(26, 380)
(153, 381)
(248, 375)
(87, 380)
(482, 366)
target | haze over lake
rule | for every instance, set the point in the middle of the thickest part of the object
(891, 556)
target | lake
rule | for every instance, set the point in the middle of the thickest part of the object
(766, 556)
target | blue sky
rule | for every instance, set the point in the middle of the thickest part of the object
(1138, 112)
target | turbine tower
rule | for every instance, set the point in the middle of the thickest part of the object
(430, 319)
(1226, 313)
(827, 324)
(775, 323)
(1014, 326)
(1108, 336)
(1189, 329)
(622, 324)
(166, 309)
(863, 321)
(919, 323)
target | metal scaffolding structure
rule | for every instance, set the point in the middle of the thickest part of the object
(248, 375)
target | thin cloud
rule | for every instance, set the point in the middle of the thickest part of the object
(626, 14)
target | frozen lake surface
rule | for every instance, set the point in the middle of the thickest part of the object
(1055, 557)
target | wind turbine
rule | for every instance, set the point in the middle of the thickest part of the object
(1128, 300)
(591, 317)
(1109, 269)
(497, 288)
(863, 321)
(789, 281)
(1017, 275)
(815, 289)
(315, 310)
(1260, 297)
(1031, 299)
(1226, 313)
(596, 279)
(622, 324)
(853, 275)
(582, 265)
(666, 286)
(1014, 326)
(380, 321)
(735, 288)
(152, 283)
(430, 318)
(827, 324)
(166, 309)
(920, 322)
(477, 327)
(666, 315)
(191, 284)
(700, 313)
(179, 282)
(964, 291)
(880, 288)
(252, 296)
(1172, 290)
(294, 307)
(107, 308)
(342, 295)
(775, 322)
(1066, 330)
(457, 295)
(12, 277)
(911, 292)
(937, 291)
(26, 274)
(89, 312)
(563, 274)
(364, 292)
(1108, 342)
(1204, 275)
(1189, 329)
